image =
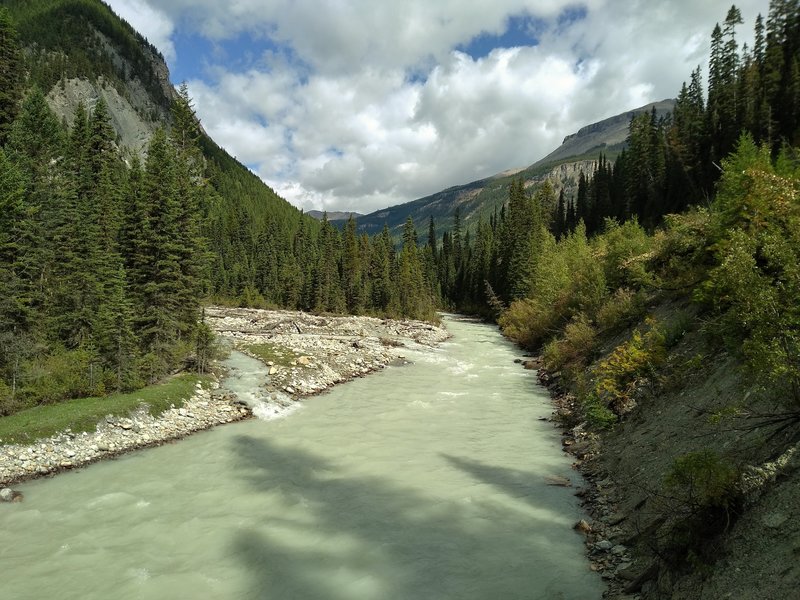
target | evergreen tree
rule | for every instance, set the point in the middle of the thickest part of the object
(11, 74)
(16, 313)
(383, 284)
(352, 278)
(328, 293)
(432, 238)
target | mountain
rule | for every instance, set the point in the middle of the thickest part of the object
(607, 136)
(480, 199)
(335, 215)
(79, 52)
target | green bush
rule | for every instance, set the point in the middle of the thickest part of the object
(252, 298)
(627, 247)
(573, 347)
(702, 498)
(617, 377)
(624, 308)
(753, 290)
(597, 414)
(568, 279)
(676, 328)
(527, 322)
(681, 251)
(703, 479)
(63, 374)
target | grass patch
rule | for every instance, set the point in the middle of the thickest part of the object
(273, 353)
(83, 414)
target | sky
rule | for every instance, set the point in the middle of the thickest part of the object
(363, 104)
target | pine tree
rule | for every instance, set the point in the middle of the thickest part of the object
(157, 318)
(16, 313)
(328, 292)
(383, 284)
(352, 279)
(432, 238)
(11, 74)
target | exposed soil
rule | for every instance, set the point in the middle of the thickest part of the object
(753, 551)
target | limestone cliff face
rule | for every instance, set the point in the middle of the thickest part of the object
(565, 176)
(133, 130)
(135, 112)
(606, 135)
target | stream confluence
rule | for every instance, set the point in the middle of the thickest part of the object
(426, 481)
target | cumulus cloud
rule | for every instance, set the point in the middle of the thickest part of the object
(150, 21)
(358, 105)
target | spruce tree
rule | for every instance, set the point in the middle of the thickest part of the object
(11, 74)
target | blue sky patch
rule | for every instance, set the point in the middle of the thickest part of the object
(572, 14)
(195, 53)
(521, 30)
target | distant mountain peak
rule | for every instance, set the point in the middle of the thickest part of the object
(479, 199)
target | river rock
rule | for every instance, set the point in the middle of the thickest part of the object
(604, 545)
(583, 527)
(9, 495)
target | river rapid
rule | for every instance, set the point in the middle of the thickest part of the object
(426, 481)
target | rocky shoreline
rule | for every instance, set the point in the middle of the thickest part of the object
(118, 435)
(308, 353)
(313, 352)
(606, 542)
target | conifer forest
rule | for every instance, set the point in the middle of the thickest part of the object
(107, 258)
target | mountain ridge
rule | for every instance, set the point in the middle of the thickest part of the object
(479, 199)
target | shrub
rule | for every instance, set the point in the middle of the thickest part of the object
(681, 251)
(626, 248)
(676, 328)
(63, 374)
(622, 309)
(702, 498)
(252, 298)
(703, 479)
(528, 322)
(596, 413)
(574, 346)
(617, 377)
(754, 289)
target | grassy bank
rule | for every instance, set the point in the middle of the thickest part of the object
(82, 414)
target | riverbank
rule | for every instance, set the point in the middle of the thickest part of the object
(604, 537)
(304, 355)
(307, 354)
(692, 493)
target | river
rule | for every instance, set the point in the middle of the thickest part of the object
(425, 481)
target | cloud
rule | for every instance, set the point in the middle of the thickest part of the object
(358, 105)
(151, 22)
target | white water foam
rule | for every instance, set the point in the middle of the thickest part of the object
(268, 411)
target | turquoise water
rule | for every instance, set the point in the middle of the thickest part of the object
(420, 482)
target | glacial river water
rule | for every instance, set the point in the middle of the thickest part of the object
(422, 482)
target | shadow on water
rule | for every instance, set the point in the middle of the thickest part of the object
(513, 482)
(365, 536)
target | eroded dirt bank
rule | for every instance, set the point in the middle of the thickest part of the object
(304, 354)
(665, 529)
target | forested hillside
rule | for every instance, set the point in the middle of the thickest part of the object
(479, 200)
(670, 164)
(107, 256)
(664, 299)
